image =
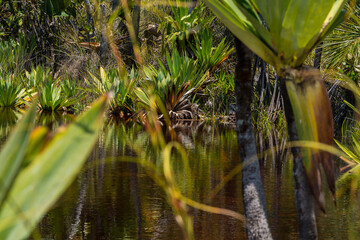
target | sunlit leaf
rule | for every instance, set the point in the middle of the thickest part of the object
(292, 29)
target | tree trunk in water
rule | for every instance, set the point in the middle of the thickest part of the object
(304, 200)
(257, 226)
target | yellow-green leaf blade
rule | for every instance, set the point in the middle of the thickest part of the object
(40, 184)
(12, 154)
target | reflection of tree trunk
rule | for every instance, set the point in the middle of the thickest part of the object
(79, 205)
(257, 226)
(136, 197)
(277, 196)
(305, 203)
(101, 167)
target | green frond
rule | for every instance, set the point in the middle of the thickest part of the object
(292, 28)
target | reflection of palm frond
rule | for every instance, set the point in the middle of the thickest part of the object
(8, 117)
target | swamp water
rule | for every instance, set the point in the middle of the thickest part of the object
(115, 198)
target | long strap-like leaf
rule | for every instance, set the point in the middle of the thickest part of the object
(12, 154)
(39, 185)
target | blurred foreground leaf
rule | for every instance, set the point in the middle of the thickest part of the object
(37, 187)
(12, 154)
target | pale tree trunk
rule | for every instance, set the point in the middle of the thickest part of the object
(257, 226)
(103, 40)
(304, 200)
(89, 16)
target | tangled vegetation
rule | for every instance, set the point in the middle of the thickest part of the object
(161, 61)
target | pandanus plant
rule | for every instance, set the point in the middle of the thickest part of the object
(173, 86)
(283, 33)
(11, 92)
(122, 88)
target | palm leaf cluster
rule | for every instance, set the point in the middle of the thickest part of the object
(12, 92)
(180, 24)
(353, 149)
(291, 29)
(122, 89)
(52, 95)
(12, 55)
(210, 57)
(341, 48)
(173, 86)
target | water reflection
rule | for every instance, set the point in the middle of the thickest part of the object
(115, 198)
(54, 119)
(8, 118)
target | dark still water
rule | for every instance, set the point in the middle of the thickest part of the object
(116, 198)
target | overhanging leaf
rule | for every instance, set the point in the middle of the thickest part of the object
(242, 28)
(292, 30)
(12, 154)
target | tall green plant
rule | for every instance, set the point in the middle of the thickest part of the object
(11, 91)
(283, 33)
(180, 25)
(208, 56)
(292, 30)
(13, 55)
(53, 95)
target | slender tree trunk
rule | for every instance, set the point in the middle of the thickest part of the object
(89, 17)
(257, 226)
(103, 41)
(304, 200)
(317, 59)
(192, 6)
(136, 19)
(115, 4)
